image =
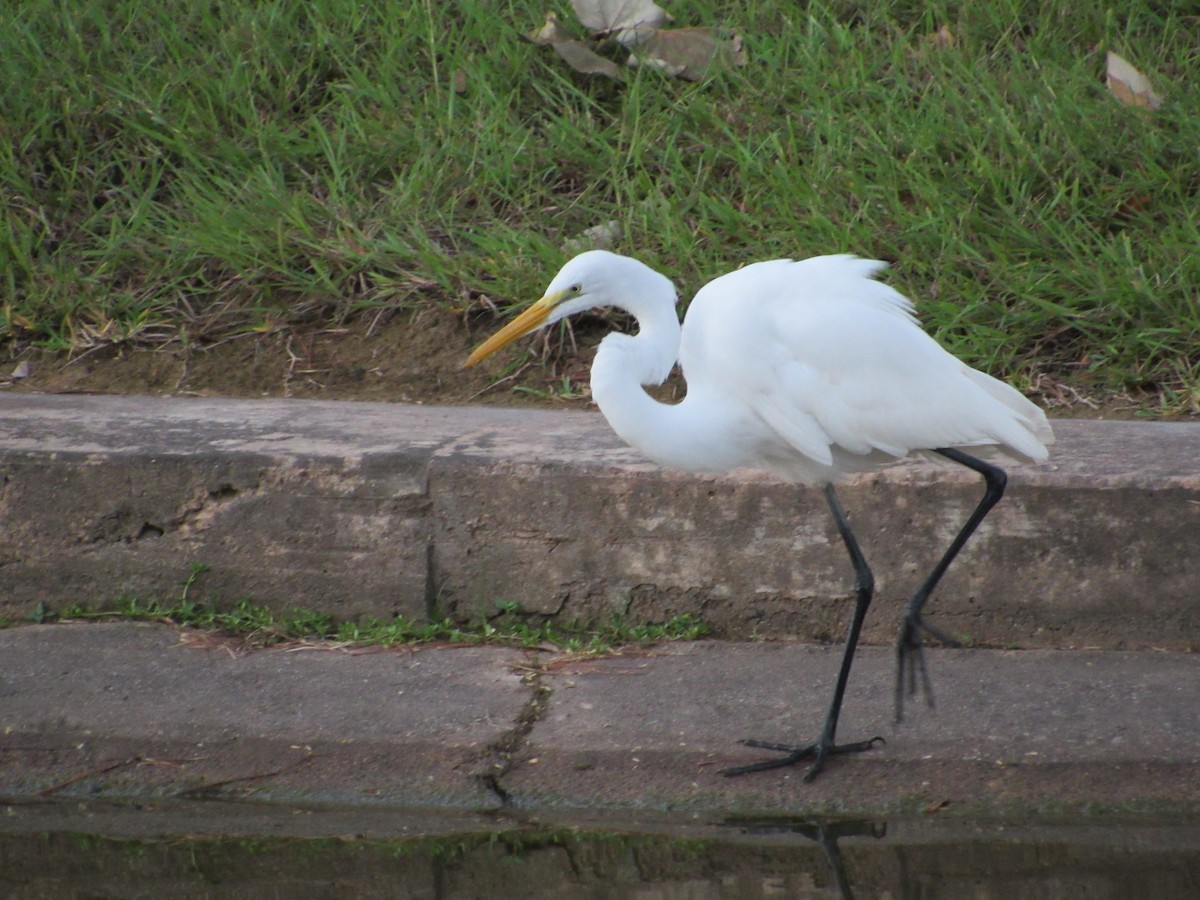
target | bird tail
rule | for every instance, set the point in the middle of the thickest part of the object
(1026, 432)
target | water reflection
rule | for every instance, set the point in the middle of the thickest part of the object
(218, 850)
(823, 832)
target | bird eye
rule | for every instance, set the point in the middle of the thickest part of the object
(577, 289)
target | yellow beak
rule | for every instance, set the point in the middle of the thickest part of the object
(532, 318)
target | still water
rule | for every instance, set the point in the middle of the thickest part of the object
(221, 850)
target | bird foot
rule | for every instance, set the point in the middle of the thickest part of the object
(910, 659)
(818, 750)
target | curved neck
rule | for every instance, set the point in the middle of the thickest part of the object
(672, 435)
(624, 363)
(645, 358)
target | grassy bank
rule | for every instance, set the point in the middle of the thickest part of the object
(187, 172)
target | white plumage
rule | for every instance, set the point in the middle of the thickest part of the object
(809, 369)
(834, 363)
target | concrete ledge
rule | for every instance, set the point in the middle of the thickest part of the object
(377, 509)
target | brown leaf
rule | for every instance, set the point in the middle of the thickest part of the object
(689, 52)
(580, 57)
(943, 38)
(1133, 205)
(1129, 85)
(549, 33)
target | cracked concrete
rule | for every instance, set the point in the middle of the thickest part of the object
(497, 758)
(135, 710)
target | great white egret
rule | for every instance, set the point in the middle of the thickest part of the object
(810, 369)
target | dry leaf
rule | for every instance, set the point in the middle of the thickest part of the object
(634, 24)
(942, 38)
(689, 52)
(598, 237)
(23, 370)
(1133, 205)
(580, 57)
(549, 33)
(1129, 85)
(611, 16)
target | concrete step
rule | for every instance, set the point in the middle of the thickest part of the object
(380, 509)
(142, 710)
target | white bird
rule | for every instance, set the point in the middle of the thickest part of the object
(809, 369)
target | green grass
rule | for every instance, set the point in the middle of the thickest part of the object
(260, 626)
(179, 171)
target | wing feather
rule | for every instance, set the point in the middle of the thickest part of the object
(826, 357)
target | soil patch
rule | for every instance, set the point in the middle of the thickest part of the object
(412, 358)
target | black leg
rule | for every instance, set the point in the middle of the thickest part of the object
(910, 657)
(824, 746)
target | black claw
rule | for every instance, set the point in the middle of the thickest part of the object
(796, 753)
(910, 661)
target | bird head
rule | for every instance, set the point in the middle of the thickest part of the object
(594, 278)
